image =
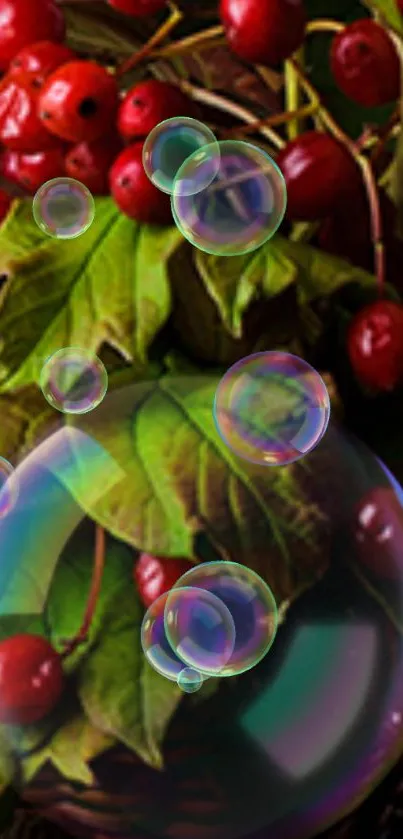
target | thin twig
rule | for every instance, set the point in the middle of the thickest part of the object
(174, 18)
(201, 40)
(99, 563)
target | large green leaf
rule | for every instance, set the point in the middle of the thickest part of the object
(233, 282)
(180, 479)
(121, 693)
(110, 284)
(389, 12)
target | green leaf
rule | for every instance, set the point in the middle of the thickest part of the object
(8, 763)
(68, 594)
(110, 284)
(181, 480)
(121, 693)
(234, 282)
(70, 751)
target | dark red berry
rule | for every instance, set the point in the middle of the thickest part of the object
(90, 163)
(36, 61)
(133, 191)
(5, 203)
(78, 101)
(378, 533)
(9, 166)
(20, 127)
(23, 22)
(149, 103)
(154, 575)
(33, 170)
(138, 8)
(375, 345)
(31, 679)
(365, 63)
(263, 31)
(399, 4)
(319, 174)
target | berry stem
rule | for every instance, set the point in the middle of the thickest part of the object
(215, 100)
(201, 40)
(175, 16)
(367, 175)
(99, 564)
(274, 120)
(324, 25)
(293, 95)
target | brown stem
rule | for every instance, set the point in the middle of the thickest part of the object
(99, 563)
(174, 18)
(201, 40)
(367, 175)
(215, 100)
(274, 120)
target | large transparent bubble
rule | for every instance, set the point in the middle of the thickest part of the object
(284, 749)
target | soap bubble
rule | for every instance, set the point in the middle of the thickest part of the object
(168, 146)
(8, 487)
(248, 600)
(199, 628)
(240, 209)
(156, 647)
(190, 680)
(73, 380)
(271, 408)
(63, 208)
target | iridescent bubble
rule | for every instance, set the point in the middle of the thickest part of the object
(8, 487)
(190, 680)
(156, 647)
(63, 208)
(169, 145)
(199, 628)
(241, 208)
(73, 380)
(271, 408)
(246, 597)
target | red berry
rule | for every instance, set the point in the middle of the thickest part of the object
(33, 170)
(375, 345)
(154, 575)
(263, 31)
(9, 166)
(5, 202)
(149, 103)
(399, 4)
(78, 101)
(31, 679)
(36, 61)
(90, 163)
(319, 174)
(20, 126)
(378, 533)
(138, 8)
(24, 21)
(365, 63)
(134, 193)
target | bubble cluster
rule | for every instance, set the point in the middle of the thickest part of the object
(73, 380)
(250, 604)
(8, 487)
(271, 408)
(241, 207)
(169, 145)
(63, 208)
(199, 627)
(159, 652)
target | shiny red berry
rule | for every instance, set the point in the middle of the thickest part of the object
(134, 193)
(24, 21)
(375, 345)
(138, 8)
(149, 103)
(90, 163)
(5, 203)
(9, 166)
(31, 679)
(365, 63)
(319, 174)
(33, 170)
(20, 127)
(378, 533)
(263, 31)
(36, 61)
(154, 575)
(78, 101)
